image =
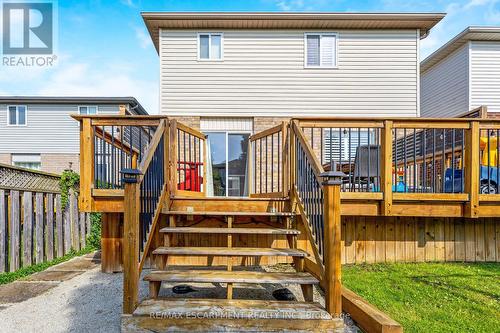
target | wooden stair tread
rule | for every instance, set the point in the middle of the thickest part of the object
(214, 276)
(260, 231)
(246, 309)
(225, 213)
(233, 251)
(222, 315)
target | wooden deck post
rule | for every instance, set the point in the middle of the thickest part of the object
(386, 167)
(131, 206)
(111, 243)
(332, 227)
(472, 169)
(86, 164)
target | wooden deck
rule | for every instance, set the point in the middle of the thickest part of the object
(322, 192)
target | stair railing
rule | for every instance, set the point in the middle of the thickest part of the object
(316, 195)
(268, 163)
(146, 191)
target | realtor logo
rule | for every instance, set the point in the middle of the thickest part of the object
(29, 33)
(27, 28)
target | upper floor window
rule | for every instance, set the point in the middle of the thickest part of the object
(210, 46)
(87, 110)
(17, 115)
(321, 50)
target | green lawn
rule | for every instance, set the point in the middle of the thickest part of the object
(432, 297)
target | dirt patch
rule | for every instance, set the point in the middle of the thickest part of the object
(54, 275)
(78, 264)
(20, 291)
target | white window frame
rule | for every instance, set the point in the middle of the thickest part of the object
(17, 116)
(210, 46)
(336, 53)
(87, 106)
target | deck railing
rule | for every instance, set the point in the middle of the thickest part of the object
(190, 160)
(410, 159)
(268, 162)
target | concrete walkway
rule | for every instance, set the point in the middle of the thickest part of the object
(73, 296)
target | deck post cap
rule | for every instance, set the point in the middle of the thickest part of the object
(333, 177)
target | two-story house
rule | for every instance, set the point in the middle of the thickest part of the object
(463, 74)
(38, 132)
(234, 74)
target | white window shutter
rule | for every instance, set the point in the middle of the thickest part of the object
(328, 50)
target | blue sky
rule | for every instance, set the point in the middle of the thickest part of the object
(104, 48)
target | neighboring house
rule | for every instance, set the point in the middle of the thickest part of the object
(38, 132)
(234, 74)
(463, 74)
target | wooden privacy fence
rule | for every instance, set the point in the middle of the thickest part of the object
(34, 227)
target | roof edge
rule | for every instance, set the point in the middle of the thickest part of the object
(455, 43)
(132, 101)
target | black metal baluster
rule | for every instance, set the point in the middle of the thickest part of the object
(434, 190)
(351, 185)
(405, 166)
(368, 162)
(453, 138)
(415, 186)
(424, 161)
(443, 163)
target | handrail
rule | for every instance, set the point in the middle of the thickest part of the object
(308, 192)
(143, 203)
(317, 167)
(317, 197)
(152, 147)
(157, 145)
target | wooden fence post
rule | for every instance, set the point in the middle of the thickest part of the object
(59, 227)
(131, 206)
(39, 227)
(75, 230)
(332, 228)
(67, 228)
(3, 232)
(83, 240)
(15, 228)
(28, 229)
(49, 237)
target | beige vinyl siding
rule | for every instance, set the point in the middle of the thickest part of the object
(444, 87)
(485, 75)
(49, 129)
(263, 74)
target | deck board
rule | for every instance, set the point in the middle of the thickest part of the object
(224, 251)
(214, 276)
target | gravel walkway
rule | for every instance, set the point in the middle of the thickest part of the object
(89, 301)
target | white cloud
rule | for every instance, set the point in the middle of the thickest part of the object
(82, 79)
(129, 3)
(143, 37)
(289, 5)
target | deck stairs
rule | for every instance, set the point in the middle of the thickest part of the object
(235, 268)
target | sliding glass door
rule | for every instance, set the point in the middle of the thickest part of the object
(228, 162)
